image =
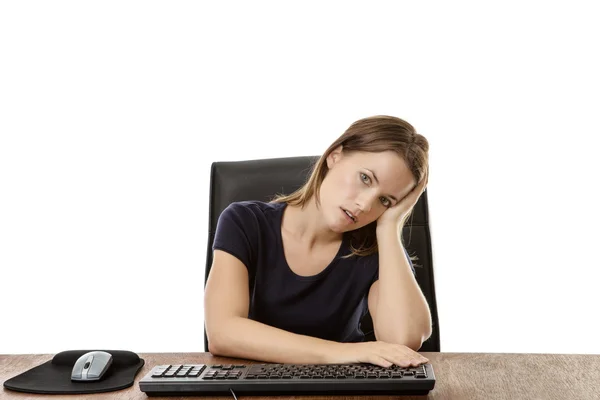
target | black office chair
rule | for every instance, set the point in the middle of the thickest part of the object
(232, 181)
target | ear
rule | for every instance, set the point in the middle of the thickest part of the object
(334, 156)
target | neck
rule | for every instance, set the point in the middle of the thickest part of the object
(307, 226)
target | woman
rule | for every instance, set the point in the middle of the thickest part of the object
(291, 279)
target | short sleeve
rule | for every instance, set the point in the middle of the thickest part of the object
(235, 234)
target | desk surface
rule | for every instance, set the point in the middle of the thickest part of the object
(458, 376)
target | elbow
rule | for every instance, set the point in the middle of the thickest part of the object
(423, 338)
(214, 348)
(219, 338)
(418, 338)
(414, 343)
(426, 333)
(216, 345)
(413, 340)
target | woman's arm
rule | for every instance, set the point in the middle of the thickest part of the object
(230, 333)
(398, 307)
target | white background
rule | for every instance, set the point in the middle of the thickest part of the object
(112, 112)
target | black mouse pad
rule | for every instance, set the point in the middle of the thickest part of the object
(54, 376)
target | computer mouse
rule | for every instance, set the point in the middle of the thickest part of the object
(91, 366)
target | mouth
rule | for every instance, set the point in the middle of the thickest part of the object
(350, 217)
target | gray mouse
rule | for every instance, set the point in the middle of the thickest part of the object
(91, 366)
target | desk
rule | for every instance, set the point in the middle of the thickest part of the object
(464, 376)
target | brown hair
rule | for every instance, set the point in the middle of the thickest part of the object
(374, 134)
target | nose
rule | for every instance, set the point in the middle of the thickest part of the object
(364, 203)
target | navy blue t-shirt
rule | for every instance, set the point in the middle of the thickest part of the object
(328, 305)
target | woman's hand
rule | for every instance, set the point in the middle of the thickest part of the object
(396, 214)
(378, 353)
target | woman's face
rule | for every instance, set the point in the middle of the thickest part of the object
(364, 184)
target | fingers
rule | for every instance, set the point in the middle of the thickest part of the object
(406, 362)
(414, 362)
(386, 355)
(414, 356)
(421, 185)
(401, 361)
(405, 357)
(382, 362)
(424, 182)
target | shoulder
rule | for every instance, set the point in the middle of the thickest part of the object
(242, 227)
(252, 215)
(252, 209)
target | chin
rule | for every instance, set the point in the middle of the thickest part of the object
(337, 229)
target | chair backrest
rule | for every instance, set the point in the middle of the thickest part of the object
(232, 181)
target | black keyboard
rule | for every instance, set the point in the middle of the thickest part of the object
(287, 379)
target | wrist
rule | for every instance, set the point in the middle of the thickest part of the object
(333, 353)
(387, 228)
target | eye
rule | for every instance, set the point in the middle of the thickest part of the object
(365, 178)
(385, 201)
